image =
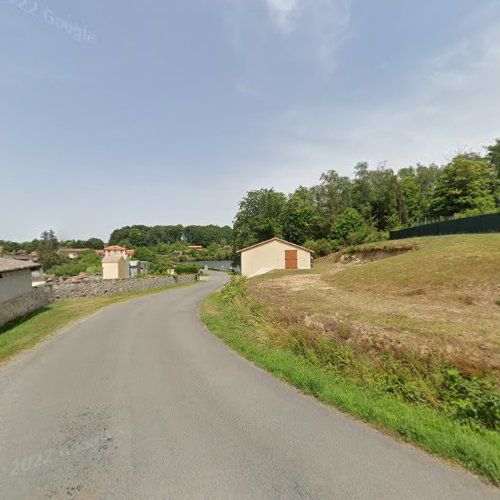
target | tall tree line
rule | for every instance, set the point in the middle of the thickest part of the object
(348, 210)
(148, 236)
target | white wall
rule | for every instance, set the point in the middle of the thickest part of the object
(265, 258)
(116, 270)
(14, 283)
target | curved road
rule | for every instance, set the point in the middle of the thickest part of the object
(141, 401)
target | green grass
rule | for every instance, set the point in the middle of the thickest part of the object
(433, 265)
(27, 332)
(240, 322)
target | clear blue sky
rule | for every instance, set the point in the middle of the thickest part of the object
(162, 112)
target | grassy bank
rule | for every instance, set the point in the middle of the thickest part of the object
(240, 323)
(27, 332)
(422, 366)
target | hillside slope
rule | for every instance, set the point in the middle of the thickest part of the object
(440, 299)
(402, 334)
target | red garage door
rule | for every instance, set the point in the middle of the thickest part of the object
(291, 259)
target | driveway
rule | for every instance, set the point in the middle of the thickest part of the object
(141, 401)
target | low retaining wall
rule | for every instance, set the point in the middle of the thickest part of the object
(25, 304)
(64, 291)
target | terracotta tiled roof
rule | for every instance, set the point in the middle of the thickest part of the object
(115, 247)
(275, 239)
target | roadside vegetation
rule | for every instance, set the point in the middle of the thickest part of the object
(400, 334)
(25, 333)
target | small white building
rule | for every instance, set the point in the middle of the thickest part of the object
(115, 263)
(15, 278)
(17, 295)
(273, 254)
(73, 253)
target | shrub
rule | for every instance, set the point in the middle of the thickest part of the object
(187, 269)
(471, 400)
(234, 289)
(321, 247)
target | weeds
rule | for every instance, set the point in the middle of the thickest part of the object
(394, 395)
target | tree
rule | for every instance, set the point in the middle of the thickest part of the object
(144, 253)
(47, 250)
(300, 220)
(95, 243)
(332, 196)
(493, 156)
(260, 217)
(350, 228)
(409, 198)
(362, 190)
(468, 182)
(383, 198)
(146, 236)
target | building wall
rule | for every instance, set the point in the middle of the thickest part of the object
(110, 270)
(265, 258)
(116, 270)
(22, 305)
(14, 283)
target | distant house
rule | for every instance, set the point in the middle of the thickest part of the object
(196, 248)
(115, 263)
(15, 277)
(130, 253)
(273, 254)
(73, 253)
(17, 295)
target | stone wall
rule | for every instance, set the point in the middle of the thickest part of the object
(97, 288)
(24, 304)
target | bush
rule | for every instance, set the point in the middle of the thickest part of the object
(234, 289)
(187, 269)
(471, 400)
(321, 247)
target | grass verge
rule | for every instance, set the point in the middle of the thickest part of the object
(27, 332)
(239, 321)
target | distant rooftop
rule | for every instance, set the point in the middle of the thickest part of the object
(9, 265)
(115, 247)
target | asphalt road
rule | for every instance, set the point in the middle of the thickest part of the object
(141, 401)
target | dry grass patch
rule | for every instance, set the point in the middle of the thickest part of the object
(435, 302)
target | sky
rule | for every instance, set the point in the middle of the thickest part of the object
(167, 112)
